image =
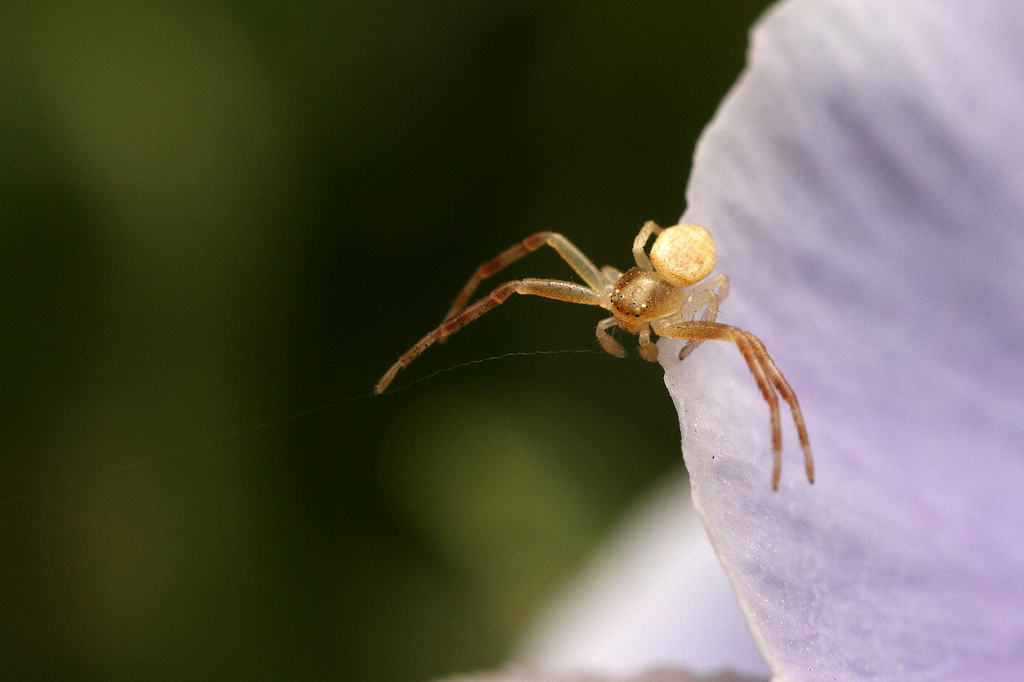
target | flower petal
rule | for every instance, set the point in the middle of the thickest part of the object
(864, 183)
(662, 675)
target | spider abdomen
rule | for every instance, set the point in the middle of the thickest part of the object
(685, 254)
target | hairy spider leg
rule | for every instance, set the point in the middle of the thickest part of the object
(766, 374)
(753, 362)
(606, 340)
(548, 288)
(569, 252)
(649, 228)
(789, 396)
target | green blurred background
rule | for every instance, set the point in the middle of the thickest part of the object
(215, 215)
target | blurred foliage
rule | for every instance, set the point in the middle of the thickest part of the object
(215, 215)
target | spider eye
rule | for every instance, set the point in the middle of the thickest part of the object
(684, 254)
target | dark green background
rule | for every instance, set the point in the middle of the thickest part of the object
(216, 215)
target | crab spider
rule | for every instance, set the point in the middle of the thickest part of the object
(660, 296)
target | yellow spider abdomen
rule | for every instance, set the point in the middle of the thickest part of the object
(684, 254)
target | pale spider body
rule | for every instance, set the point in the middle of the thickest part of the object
(661, 295)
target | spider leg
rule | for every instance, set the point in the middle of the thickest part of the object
(548, 288)
(709, 296)
(611, 275)
(648, 350)
(569, 252)
(649, 228)
(773, 372)
(766, 374)
(717, 289)
(768, 391)
(609, 344)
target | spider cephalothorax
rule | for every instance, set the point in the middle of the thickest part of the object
(661, 295)
(642, 295)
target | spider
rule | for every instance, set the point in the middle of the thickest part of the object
(658, 296)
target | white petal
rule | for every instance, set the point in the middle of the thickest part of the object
(662, 675)
(865, 184)
(655, 597)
